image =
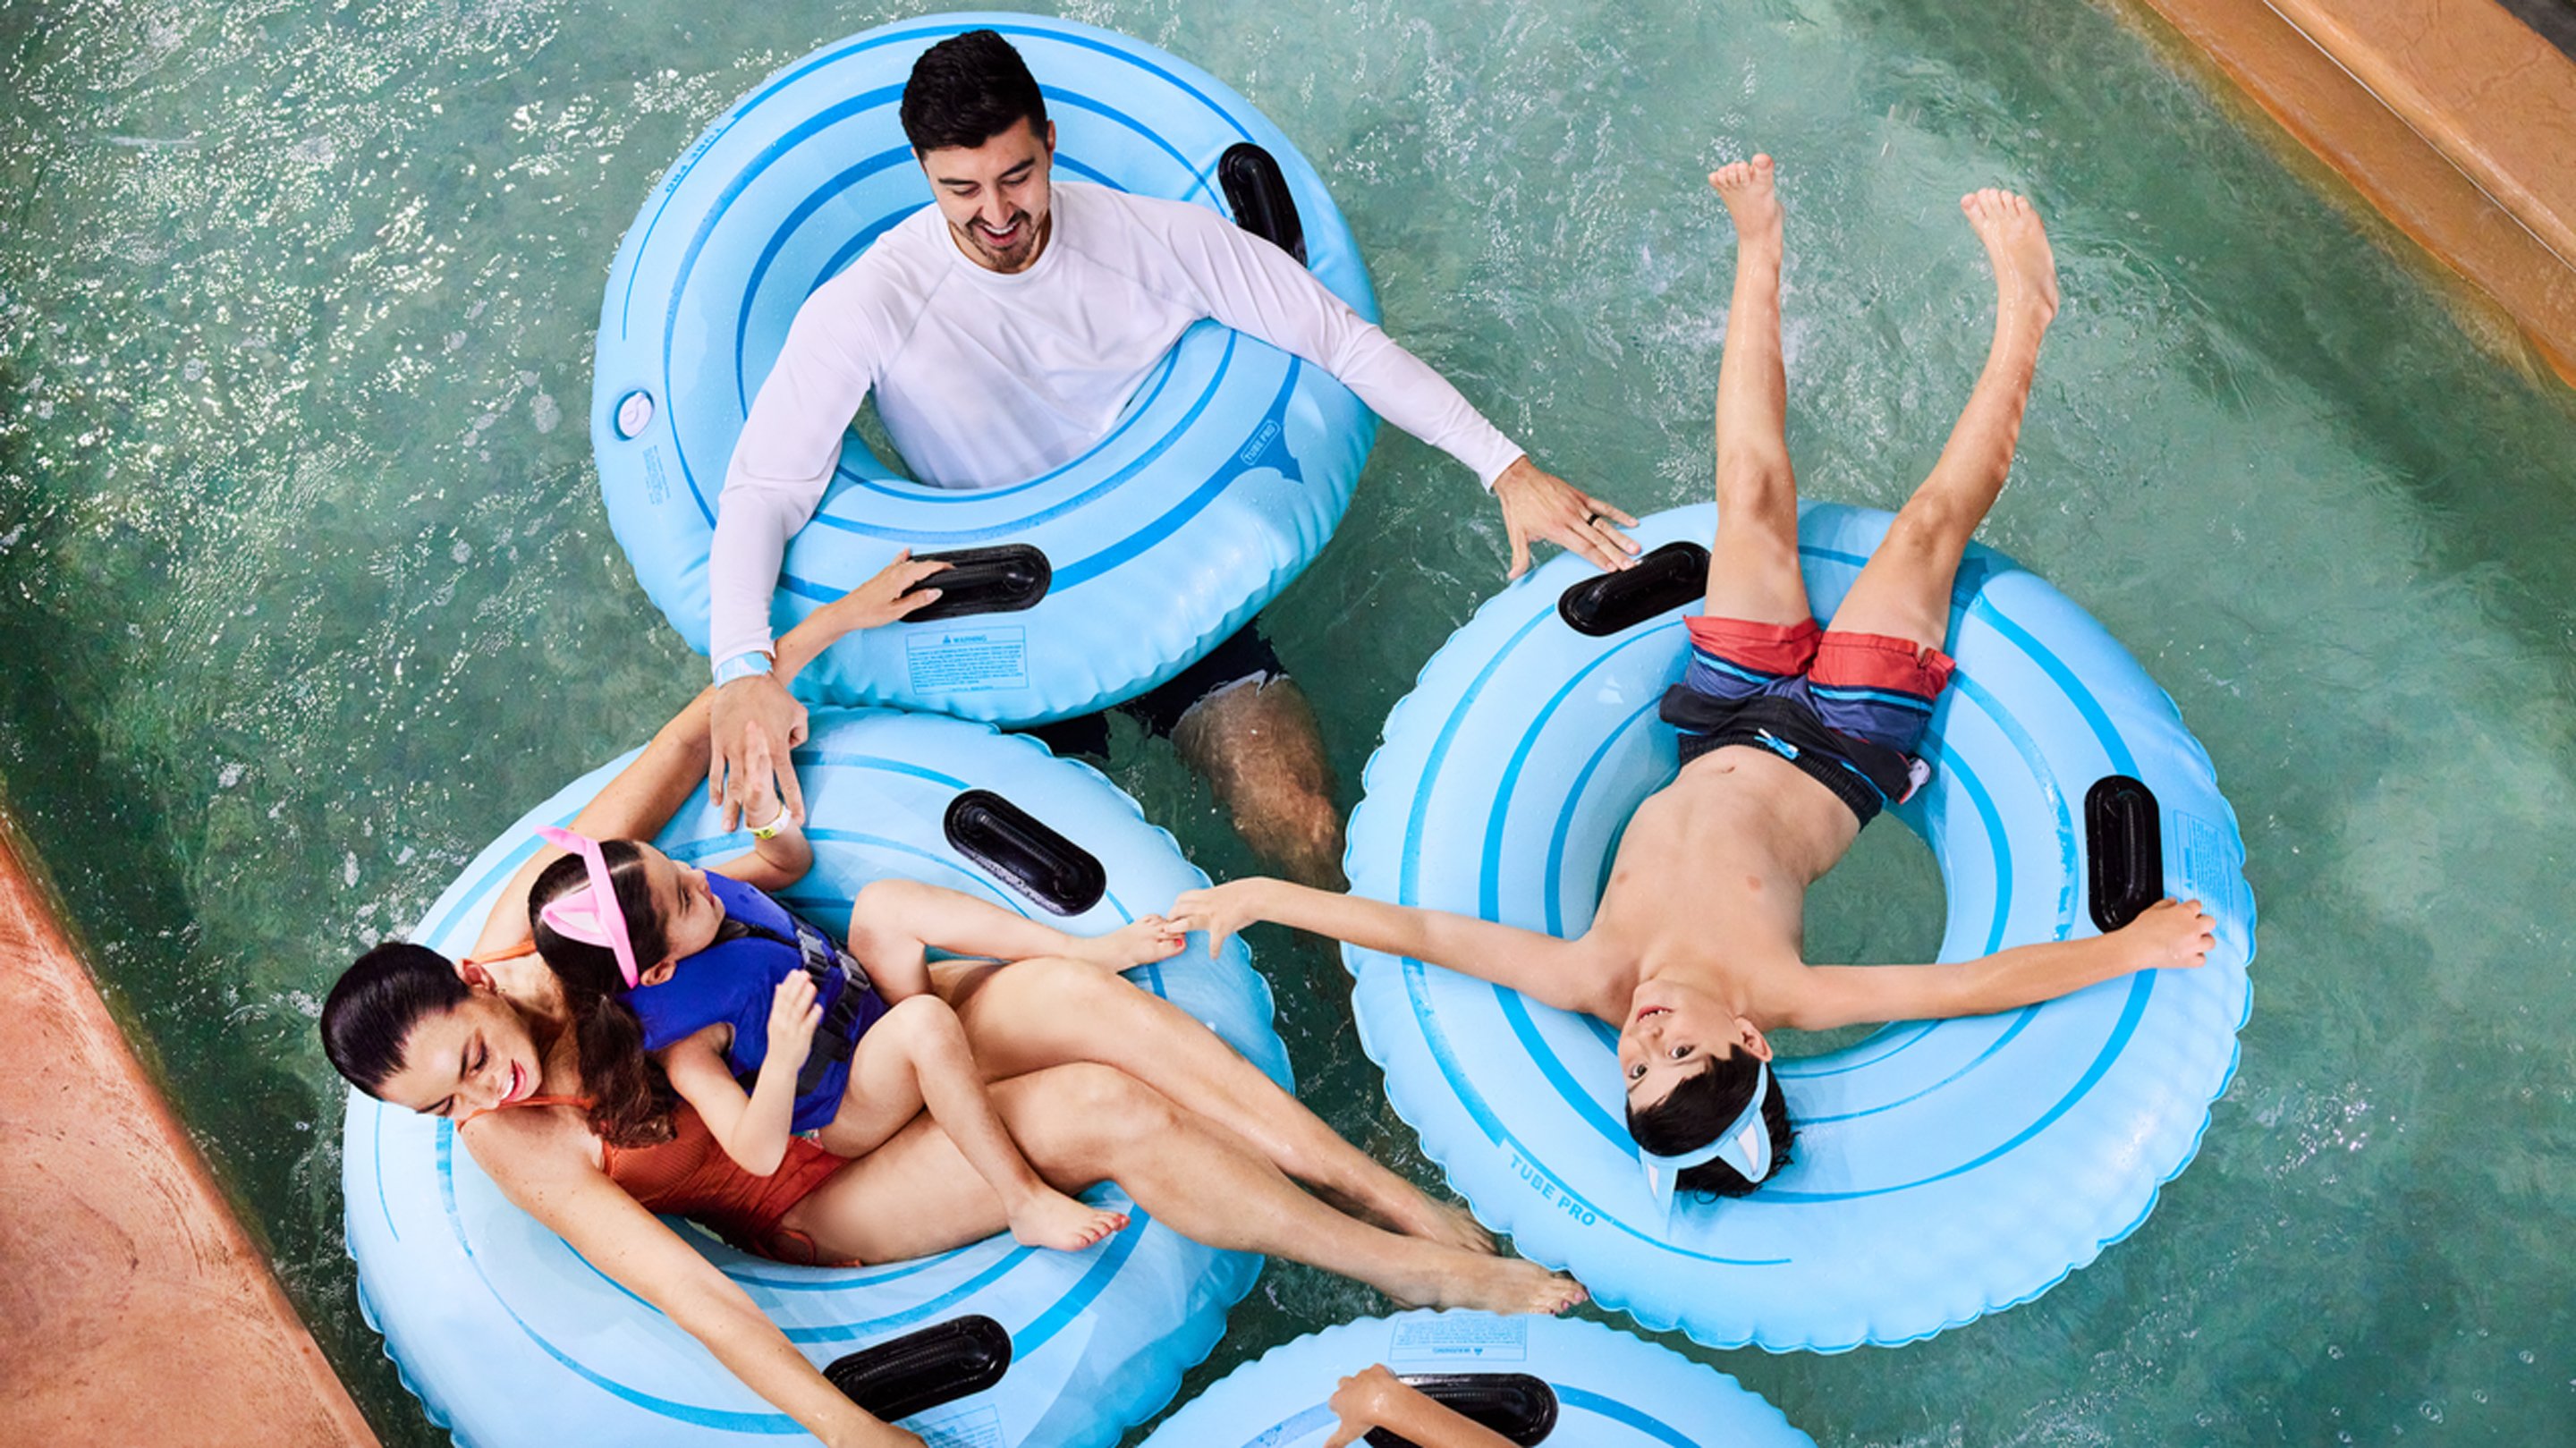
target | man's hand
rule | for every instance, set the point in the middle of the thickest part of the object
(756, 723)
(2170, 934)
(1539, 504)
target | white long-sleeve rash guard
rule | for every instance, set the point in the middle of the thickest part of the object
(985, 379)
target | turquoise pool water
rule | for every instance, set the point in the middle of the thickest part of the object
(305, 589)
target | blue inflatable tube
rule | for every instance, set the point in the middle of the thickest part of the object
(508, 1337)
(1942, 1170)
(1536, 1380)
(1218, 485)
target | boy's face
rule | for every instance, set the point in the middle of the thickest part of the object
(1675, 1031)
(995, 196)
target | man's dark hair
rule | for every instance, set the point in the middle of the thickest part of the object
(966, 90)
(1703, 1104)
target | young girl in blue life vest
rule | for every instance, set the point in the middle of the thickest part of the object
(723, 985)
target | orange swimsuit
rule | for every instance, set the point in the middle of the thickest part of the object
(690, 1176)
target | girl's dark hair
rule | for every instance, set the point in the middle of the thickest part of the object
(1702, 1105)
(968, 89)
(631, 1100)
(369, 1016)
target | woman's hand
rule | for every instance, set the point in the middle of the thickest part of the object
(1360, 1404)
(1220, 910)
(894, 592)
(793, 1019)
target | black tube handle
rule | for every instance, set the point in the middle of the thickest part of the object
(1516, 1405)
(1665, 579)
(2124, 850)
(1001, 579)
(1025, 853)
(921, 1370)
(1260, 197)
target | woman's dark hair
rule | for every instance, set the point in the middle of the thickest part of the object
(631, 1100)
(1703, 1104)
(369, 1016)
(968, 89)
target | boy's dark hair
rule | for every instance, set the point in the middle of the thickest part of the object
(631, 1100)
(966, 90)
(1700, 1106)
(369, 1015)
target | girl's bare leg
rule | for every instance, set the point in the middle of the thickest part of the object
(1086, 1123)
(916, 1058)
(1041, 1013)
(1753, 566)
(895, 924)
(1904, 591)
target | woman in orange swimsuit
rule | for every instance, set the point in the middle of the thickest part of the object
(1094, 1079)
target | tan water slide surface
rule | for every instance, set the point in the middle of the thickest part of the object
(133, 1307)
(2451, 117)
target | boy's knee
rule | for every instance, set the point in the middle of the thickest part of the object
(1930, 525)
(1757, 476)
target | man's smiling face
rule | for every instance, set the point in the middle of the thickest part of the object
(994, 196)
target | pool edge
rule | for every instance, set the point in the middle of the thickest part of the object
(141, 1311)
(2468, 147)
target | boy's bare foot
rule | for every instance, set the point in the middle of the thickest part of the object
(1493, 1284)
(1049, 1218)
(1745, 187)
(1146, 941)
(2025, 269)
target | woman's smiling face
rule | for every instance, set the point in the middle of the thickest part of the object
(474, 1056)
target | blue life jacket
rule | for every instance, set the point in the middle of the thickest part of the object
(732, 982)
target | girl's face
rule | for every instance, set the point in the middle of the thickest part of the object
(690, 912)
(473, 1057)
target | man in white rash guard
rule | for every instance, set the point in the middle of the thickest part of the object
(1002, 331)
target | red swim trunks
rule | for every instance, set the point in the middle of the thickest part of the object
(1848, 708)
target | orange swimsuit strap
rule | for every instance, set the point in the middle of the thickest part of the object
(583, 1102)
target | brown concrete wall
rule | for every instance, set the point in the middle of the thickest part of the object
(2451, 117)
(133, 1307)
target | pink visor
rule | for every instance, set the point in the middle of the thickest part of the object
(590, 914)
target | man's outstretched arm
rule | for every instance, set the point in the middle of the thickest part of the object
(790, 443)
(1255, 288)
(2169, 934)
